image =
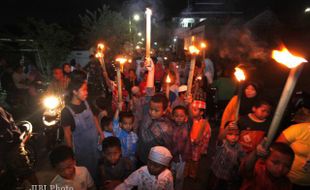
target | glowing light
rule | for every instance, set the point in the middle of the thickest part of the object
(100, 47)
(239, 74)
(121, 60)
(307, 10)
(142, 39)
(286, 58)
(193, 50)
(136, 17)
(139, 34)
(148, 11)
(99, 55)
(51, 102)
(168, 80)
(165, 58)
(203, 45)
(137, 47)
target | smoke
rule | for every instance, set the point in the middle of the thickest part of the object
(253, 40)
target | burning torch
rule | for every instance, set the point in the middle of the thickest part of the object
(295, 64)
(121, 61)
(194, 52)
(240, 76)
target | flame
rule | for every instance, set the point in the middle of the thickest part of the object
(99, 55)
(121, 60)
(148, 11)
(168, 80)
(100, 47)
(193, 50)
(286, 58)
(199, 78)
(203, 45)
(239, 74)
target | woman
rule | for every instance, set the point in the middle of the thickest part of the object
(298, 137)
(248, 98)
(81, 128)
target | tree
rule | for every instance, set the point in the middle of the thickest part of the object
(52, 42)
(108, 26)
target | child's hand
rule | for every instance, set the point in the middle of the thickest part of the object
(149, 64)
(119, 105)
(261, 149)
(189, 99)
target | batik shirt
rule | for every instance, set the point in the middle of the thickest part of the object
(226, 161)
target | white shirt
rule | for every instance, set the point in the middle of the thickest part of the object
(81, 181)
(145, 181)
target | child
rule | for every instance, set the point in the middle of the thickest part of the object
(225, 165)
(123, 129)
(254, 126)
(68, 174)
(155, 175)
(181, 99)
(106, 124)
(155, 129)
(200, 135)
(269, 173)
(182, 146)
(113, 168)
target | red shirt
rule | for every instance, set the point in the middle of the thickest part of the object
(262, 180)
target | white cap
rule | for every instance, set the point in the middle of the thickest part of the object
(160, 155)
(135, 90)
(182, 88)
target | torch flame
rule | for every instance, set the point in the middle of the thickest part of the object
(168, 80)
(239, 74)
(121, 60)
(193, 50)
(99, 55)
(286, 58)
(203, 45)
(148, 11)
(100, 46)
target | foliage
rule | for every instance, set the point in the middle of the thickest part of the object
(52, 42)
(107, 26)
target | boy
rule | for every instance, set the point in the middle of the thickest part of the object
(200, 135)
(225, 165)
(155, 129)
(106, 124)
(68, 174)
(123, 129)
(182, 146)
(113, 168)
(155, 175)
(181, 99)
(269, 173)
(254, 126)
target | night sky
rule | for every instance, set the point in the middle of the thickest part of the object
(67, 11)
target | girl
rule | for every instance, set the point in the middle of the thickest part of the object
(81, 128)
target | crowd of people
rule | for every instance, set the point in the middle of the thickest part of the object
(155, 140)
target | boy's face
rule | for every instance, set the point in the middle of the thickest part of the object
(261, 112)
(66, 168)
(127, 124)
(278, 164)
(112, 155)
(156, 110)
(58, 74)
(179, 116)
(109, 127)
(232, 136)
(155, 168)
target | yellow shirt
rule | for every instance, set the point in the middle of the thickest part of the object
(299, 138)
